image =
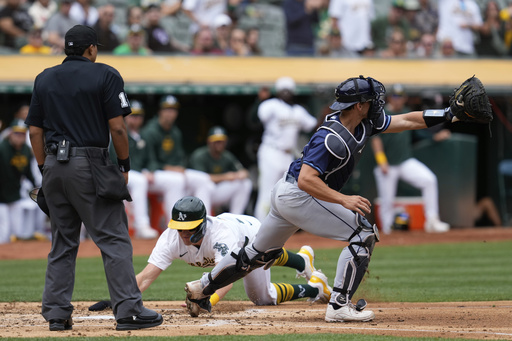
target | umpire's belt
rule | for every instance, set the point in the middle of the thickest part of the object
(290, 178)
(51, 149)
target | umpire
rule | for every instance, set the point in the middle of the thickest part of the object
(74, 106)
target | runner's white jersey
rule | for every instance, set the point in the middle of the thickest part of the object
(224, 233)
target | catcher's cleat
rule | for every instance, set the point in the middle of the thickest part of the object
(194, 290)
(347, 313)
(319, 280)
(308, 254)
(57, 325)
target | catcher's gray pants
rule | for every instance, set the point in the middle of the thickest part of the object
(71, 197)
(293, 209)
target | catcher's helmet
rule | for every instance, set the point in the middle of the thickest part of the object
(360, 89)
(189, 213)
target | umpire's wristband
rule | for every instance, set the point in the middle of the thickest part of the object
(124, 165)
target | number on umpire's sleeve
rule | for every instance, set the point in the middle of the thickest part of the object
(123, 99)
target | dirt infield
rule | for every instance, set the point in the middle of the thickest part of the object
(471, 320)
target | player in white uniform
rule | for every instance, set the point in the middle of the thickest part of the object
(282, 121)
(202, 241)
(203, 12)
(458, 21)
(353, 19)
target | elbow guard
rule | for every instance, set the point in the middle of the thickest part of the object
(434, 117)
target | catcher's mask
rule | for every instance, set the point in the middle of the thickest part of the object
(189, 213)
(359, 90)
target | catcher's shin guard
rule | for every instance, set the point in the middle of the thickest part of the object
(362, 243)
(236, 266)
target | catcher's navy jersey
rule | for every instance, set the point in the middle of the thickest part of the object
(336, 170)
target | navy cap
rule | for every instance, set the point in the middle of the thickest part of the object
(80, 35)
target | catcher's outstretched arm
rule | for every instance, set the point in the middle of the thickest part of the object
(410, 121)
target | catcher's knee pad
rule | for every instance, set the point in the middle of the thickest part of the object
(367, 233)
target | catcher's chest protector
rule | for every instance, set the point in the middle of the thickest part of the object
(345, 147)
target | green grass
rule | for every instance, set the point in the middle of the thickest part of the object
(420, 273)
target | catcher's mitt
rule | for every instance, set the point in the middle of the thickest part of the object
(470, 102)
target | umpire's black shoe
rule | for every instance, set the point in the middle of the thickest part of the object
(56, 325)
(146, 319)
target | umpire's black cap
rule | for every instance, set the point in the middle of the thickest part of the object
(80, 35)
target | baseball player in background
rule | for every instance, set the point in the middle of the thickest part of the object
(393, 154)
(15, 161)
(232, 183)
(309, 197)
(139, 176)
(282, 120)
(167, 158)
(202, 241)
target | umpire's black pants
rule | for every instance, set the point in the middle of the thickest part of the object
(71, 196)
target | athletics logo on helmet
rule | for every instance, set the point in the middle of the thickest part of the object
(189, 213)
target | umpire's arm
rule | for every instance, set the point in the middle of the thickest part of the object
(37, 141)
(120, 139)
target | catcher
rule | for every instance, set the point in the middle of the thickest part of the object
(202, 241)
(309, 196)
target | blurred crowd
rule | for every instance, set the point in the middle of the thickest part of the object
(327, 28)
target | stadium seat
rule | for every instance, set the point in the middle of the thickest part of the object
(271, 22)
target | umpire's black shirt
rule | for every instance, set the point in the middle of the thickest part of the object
(75, 100)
